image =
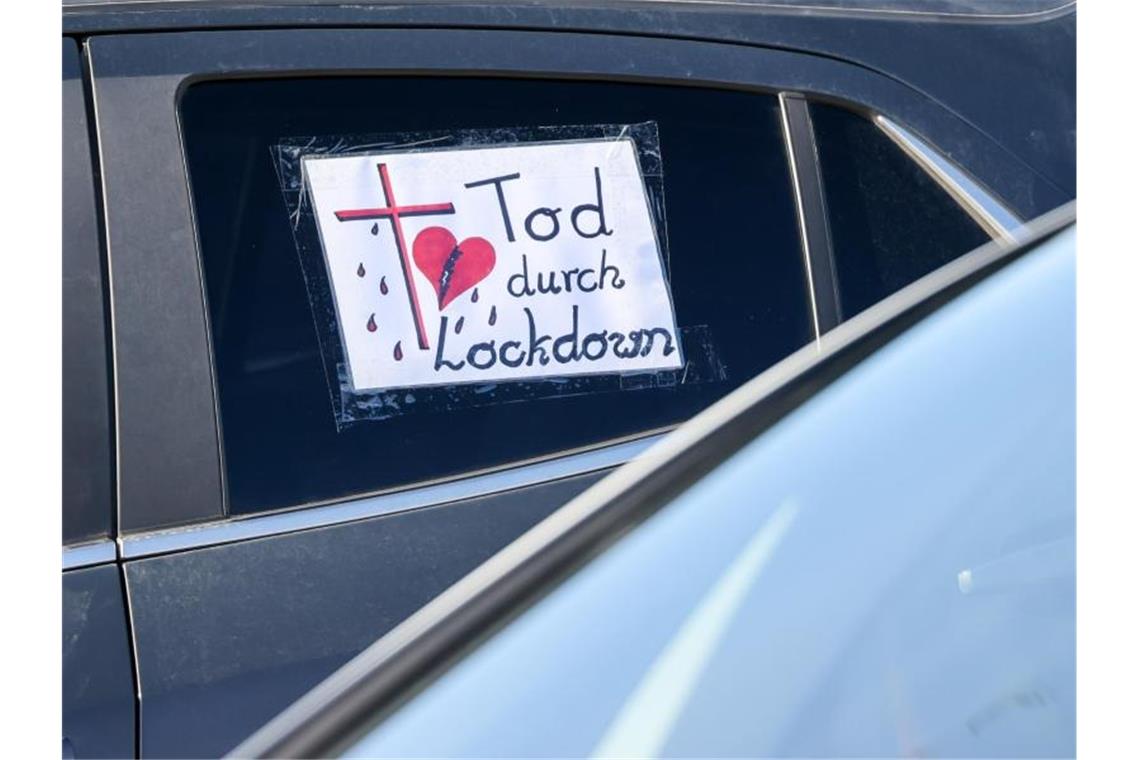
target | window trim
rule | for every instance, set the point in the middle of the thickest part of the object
(99, 552)
(983, 207)
(397, 501)
(811, 208)
(88, 453)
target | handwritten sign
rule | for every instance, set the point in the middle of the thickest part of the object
(493, 263)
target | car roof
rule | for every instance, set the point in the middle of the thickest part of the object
(945, 49)
(541, 558)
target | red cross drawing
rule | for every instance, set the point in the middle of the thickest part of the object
(393, 212)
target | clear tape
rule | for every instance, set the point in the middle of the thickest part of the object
(350, 406)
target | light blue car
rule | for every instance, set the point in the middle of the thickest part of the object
(866, 551)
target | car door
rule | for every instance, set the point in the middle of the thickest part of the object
(266, 537)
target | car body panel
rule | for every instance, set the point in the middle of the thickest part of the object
(228, 635)
(98, 687)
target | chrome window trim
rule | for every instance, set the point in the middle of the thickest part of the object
(216, 533)
(811, 211)
(98, 552)
(801, 214)
(990, 213)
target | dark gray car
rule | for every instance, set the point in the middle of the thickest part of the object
(236, 524)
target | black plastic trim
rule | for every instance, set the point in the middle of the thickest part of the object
(88, 456)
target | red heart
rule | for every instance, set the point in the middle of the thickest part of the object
(452, 268)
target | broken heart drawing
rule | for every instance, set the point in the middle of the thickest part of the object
(452, 268)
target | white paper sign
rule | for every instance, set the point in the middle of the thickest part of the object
(489, 264)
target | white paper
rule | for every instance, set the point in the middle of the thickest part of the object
(601, 265)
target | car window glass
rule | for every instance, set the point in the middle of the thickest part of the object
(891, 223)
(735, 273)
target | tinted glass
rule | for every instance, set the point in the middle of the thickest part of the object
(735, 272)
(890, 222)
(87, 462)
(889, 571)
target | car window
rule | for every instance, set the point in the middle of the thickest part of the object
(888, 571)
(719, 191)
(891, 223)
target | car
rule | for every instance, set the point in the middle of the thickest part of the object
(289, 423)
(864, 552)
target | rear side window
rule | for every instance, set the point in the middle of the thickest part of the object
(716, 187)
(891, 223)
